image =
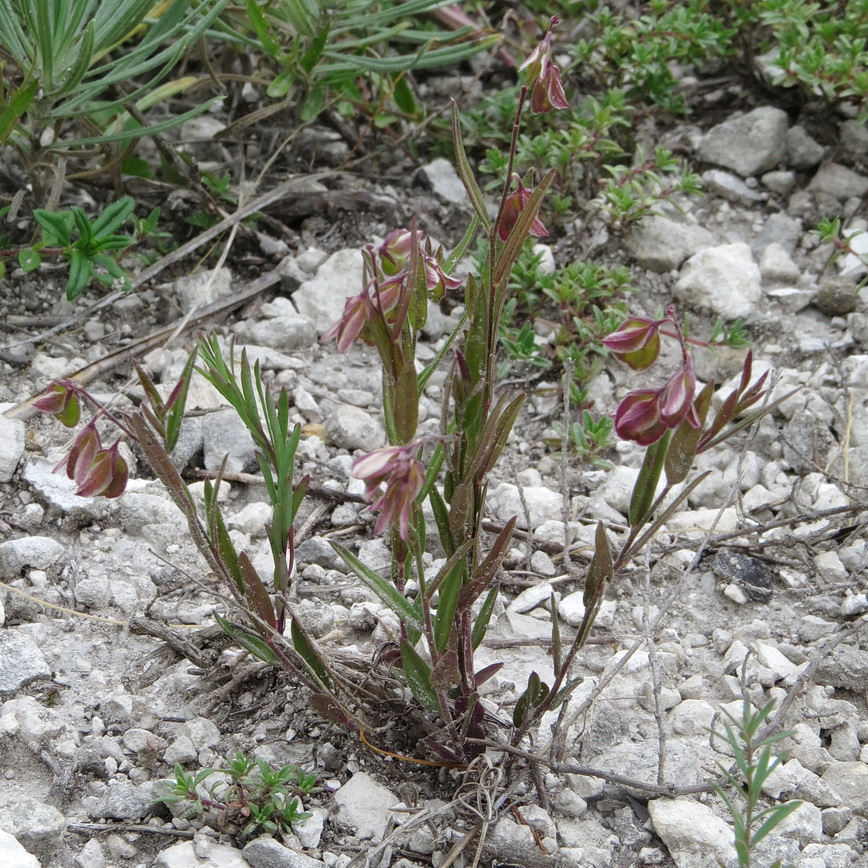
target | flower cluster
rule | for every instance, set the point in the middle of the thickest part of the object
(96, 469)
(388, 267)
(403, 474)
(645, 415)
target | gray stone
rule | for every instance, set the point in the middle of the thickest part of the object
(94, 592)
(202, 732)
(316, 550)
(38, 827)
(224, 435)
(184, 856)
(791, 780)
(283, 333)
(803, 151)
(838, 181)
(748, 144)
(21, 662)
(854, 138)
(837, 296)
(323, 297)
(13, 855)
(779, 181)
(35, 552)
(198, 290)
(124, 800)
(730, 187)
(440, 177)
(138, 509)
(854, 265)
(543, 504)
(91, 855)
(572, 609)
(845, 667)
(365, 805)
(265, 852)
(352, 428)
(11, 446)
(694, 836)
(777, 268)
(850, 780)
(724, 280)
(309, 831)
(781, 229)
(660, 244)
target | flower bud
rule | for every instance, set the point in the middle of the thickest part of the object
(512, 208)
(62, 402)
(635, 342)
(676, 396)
(548, 89)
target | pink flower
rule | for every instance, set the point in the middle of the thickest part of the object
(436, 279)
(352, 322)
(95, 469)
(403, 475)
(638, 417)
(548, 89)
(60, 401)
(635, 342)
(676, 397)
(646, 414)
(512, 208)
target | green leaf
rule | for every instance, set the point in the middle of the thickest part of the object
(250, 643)
(306, 650)
(480, 626)
(646, 483)
(402, 93)
(466, 173)
(55, 227)
(418, 675)
(261, 29)
(384, 589)
(29, 260)
(112, 217)
(79, 274)
(255, 592)
(280, 86)
(685, 440)
(600, 570)
(176, 402)
(16, 107)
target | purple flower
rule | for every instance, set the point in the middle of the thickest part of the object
(548, 89)
(398, 468)
(512, 208)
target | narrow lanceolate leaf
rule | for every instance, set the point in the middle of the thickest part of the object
(485, 573)
(176, 403)
(685, 440)
(418, 675)
(450, 588)
(384, 589)
(600, 570)
(308, 652)
(250, 643)
(480, 626)
(646, 482)
(254, 591)
(465, 172)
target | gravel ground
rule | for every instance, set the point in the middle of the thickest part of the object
(759, 582)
